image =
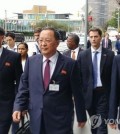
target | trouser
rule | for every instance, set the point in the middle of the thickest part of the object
(42, 126)
(98, 113)
(5, 126)
(15, 127)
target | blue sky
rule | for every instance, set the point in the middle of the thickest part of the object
(61, 6)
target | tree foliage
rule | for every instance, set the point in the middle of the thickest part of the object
(113, 22)
(54, 24)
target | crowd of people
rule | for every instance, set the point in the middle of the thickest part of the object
(55, 87)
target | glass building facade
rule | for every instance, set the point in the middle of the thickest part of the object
(27, 21)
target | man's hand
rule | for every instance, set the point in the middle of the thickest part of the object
(81, 124)
(113, 126)
(16, 116)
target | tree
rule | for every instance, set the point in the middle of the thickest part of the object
(55, 24)
(113, 22)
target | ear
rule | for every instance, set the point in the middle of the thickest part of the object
(3, 38)
(57, 42)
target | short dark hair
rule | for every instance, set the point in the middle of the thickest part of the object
(95, 29)
(75, 37)
(56, 33)
(2, 32)
(37, 30)
(11, 34)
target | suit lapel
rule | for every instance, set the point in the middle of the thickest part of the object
(79, 52)
(103, 59)
(89, 59)
(69, 53)
(39, 65)
(58, 67)
(3, 58)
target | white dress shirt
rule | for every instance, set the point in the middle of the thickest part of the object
(1, 50)
(53, 61)
(76, 52)
(23, 64)
(12, 49)
(99, 50)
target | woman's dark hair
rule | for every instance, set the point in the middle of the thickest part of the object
(23, 43)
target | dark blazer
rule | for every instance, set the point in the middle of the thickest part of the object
(88, 44)
(117, 46)
(68, 52)
(115, 89)
(85, 61)
(109, 44)
(10, 72)
(55, 106)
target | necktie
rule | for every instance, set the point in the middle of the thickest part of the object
(95, 69)
(73, 55)
(47, 74)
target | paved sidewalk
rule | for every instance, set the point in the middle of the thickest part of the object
(86, 129)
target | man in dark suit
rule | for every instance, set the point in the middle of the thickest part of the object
(88, 44)
(117, 44)
(10, 40)
(10, 72)
(47, 86)
(106, 42)
(114, 104)
(73, 52)
(11, 45)
(73, 45)
(95, 70)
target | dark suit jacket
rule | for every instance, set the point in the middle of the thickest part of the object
(88, 44)
(117, 46)
(68, 52)
(10, 72)
(85, 61)
(115, 89)
(109, 44)
(56, 106)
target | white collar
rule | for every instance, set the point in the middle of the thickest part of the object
(1, 50)
(52, 59)
(98, 50)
